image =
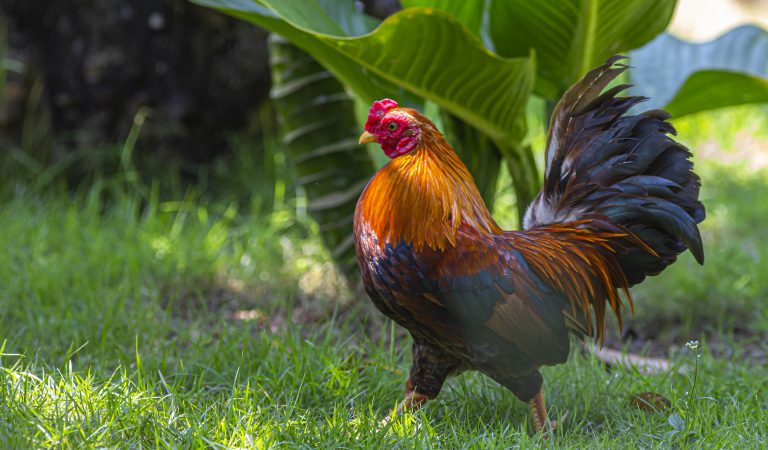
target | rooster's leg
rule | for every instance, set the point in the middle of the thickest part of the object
(538, 411)
(539, 414)
(429, 370)
(412, 401)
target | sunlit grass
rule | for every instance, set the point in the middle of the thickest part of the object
(325, 389)
(129, 321)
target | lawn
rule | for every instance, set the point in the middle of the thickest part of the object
(131, 321)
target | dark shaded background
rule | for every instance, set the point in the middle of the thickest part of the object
(88, 66)
(201, 73)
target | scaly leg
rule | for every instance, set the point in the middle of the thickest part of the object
(412, 401)
(539, 414)
(428, 372)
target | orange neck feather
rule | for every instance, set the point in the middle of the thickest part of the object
(424, 197)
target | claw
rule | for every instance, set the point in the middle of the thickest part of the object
(541, 422)
(413, 400)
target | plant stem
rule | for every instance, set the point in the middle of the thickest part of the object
(589, 13)
(525, 178)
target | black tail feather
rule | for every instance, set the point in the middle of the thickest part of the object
(624, 170)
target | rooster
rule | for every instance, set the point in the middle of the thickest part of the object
(619, 202)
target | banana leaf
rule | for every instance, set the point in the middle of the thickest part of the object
(317, 120)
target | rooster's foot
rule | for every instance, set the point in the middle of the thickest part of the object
(412, 401)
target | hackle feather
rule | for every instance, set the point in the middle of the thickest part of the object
(423, 197)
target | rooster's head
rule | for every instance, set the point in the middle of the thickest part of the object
(397, 130)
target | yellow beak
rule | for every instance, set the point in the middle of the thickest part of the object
(366, 137)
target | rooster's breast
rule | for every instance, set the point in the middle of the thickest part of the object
(399, 281)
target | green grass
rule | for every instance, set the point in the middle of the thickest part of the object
(731, 289)
(200, 324)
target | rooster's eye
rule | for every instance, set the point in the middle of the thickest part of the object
(391, 126)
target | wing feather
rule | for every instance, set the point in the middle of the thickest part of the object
(504, 297)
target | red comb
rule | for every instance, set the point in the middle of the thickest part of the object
(383, 106)
(378, 110)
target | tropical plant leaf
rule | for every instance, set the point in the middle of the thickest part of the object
(477, 151)
(526, 180)
(317, 120)
(349, 18)
(573, 36)
(355, 77)
(732, 88)
(470, 13)
(416, 49)
(307, 15)
(660, 69)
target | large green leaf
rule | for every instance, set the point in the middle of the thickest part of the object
(573, 36)
(470, 13)
(352, 21)
(415, 49)
(730, 88)
(353, 76)
(736, 66)
(416, 54)
(477, 151)
(317, 120)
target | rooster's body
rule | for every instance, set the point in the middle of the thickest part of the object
(619, 202)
